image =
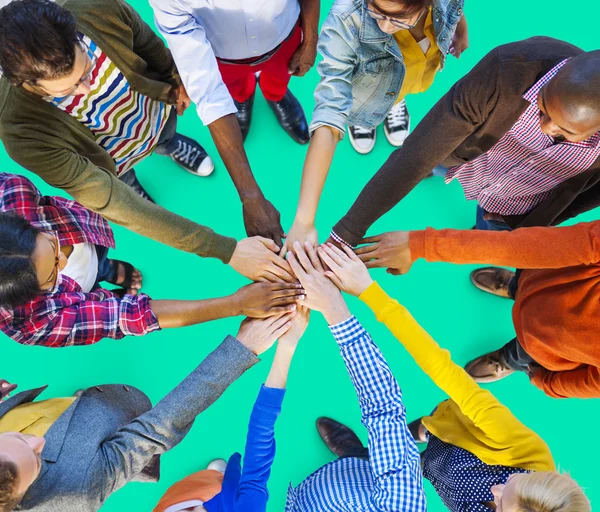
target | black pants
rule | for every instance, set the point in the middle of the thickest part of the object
(513, 353)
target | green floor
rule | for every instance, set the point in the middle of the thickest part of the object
(440, 296)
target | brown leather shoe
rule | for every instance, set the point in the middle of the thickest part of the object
(489, 368)
(339, 438)
(494, 280)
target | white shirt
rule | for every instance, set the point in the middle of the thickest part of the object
(82, 266)
(197, 31)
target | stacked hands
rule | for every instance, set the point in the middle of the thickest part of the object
(281, 310)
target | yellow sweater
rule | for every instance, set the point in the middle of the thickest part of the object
(35, 418)
(473, 419)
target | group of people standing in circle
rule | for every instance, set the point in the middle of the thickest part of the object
(88, 90)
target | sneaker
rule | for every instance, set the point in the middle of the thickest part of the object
(362, 139)
(219, 465)
(192, 156)
(397, 124)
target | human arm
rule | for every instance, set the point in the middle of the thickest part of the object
(583, 382)
(260, 216)
(304, 57)
(252, 493)
(316, 167)
(257, 300)
(534, 247)
(454, 117)
(130, 449)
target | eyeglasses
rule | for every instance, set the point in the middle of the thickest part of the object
(53, 278)
(395, 21)
(63, 95)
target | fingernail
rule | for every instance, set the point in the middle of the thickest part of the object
(292, 307)
(302, 297)
(296, 244)
(287, 255)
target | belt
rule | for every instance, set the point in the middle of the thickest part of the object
(255, 61)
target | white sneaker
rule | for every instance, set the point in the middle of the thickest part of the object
(362, 139)
(219, 465)
(397, 124)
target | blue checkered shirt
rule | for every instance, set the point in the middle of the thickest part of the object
(391, 479)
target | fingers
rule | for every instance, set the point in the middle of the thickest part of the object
(284, 301)
(350, 253)
(281, 269)
(277, 239)
(365, 249)
(281, 324)
(335, 254)
(328, 259)
(334, 279)
(296, 267)
(340, 253)
(394, 271)
(373, 264)
(269, 244)
(372, 239)
(313, 257)
(303, 258)
(280, 310)
(288, 295)
(286, 286)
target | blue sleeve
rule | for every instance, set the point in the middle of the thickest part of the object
(252, 494)
(393, 455)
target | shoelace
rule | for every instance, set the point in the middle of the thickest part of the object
(397, 116)
(186, 153)
(362, 131)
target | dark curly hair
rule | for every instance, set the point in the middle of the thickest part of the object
(37, 41)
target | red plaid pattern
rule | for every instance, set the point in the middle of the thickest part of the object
(68, 316)
(521, 169)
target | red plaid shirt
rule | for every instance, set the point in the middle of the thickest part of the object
(521, 169)
(68, 316)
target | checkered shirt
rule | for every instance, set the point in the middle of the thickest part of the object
(68, 316)
(391, 479)
(522, 168)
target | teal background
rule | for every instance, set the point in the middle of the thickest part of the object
(440, 296)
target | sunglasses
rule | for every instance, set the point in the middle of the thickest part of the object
(59, 97)
(395, 21)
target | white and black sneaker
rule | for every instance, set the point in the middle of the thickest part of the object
(397, 124)
(191, 156)
(362, 139)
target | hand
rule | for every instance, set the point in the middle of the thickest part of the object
(6, 388)
(391, 250)
(182, 100)
(262, 219)
(299, 324)
(261, 300)
(300, 232)
(460, 39)
(256, 258)
(321, 294)
(303, 58)
(258, 335)
(347, 272)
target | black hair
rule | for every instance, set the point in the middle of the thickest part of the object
(18, 278)
(37, 41)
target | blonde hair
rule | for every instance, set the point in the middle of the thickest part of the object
(550, 492)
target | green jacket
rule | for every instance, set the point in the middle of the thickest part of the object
(62, 151)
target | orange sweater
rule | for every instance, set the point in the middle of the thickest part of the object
(557, 307)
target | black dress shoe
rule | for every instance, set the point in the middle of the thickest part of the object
(244, 114)
(291, 117)
(130, 178)
(340, 439)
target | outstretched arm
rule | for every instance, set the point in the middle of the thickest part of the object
(535, 247)
(252, 490)
(393, 455)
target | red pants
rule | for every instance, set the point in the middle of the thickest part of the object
(274, 76)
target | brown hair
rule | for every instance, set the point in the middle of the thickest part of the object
(405, 7)
(9, 481)
(550, 492)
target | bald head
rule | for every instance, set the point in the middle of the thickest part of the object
(571, 100)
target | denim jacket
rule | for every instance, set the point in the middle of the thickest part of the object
(362, 69)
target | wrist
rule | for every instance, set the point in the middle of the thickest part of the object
(234, 305)
(337, 313)
(251, 196)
